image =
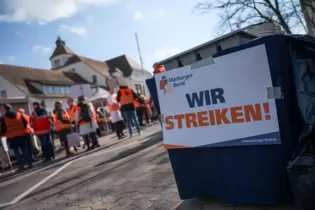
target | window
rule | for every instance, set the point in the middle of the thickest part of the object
(62, 90)
(47, 89)
(72, 70)
(139, 89)
(3, 94)
(50, 90)
(57, 63)
(219, 48)
(56, 90)
(94, 79)
(179, 63)
(67, 90)
(198, 57)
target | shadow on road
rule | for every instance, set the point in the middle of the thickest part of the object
(101, 174)
(54, 163)
(152, 139)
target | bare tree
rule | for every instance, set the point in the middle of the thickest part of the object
(308, 9)
(237, 14)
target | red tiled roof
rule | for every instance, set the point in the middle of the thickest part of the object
(22, 76)
(61, 49)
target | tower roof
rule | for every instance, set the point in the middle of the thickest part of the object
(61, 48)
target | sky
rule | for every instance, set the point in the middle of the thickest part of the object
(100, 29)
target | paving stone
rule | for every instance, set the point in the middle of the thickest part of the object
(142, 203)
(145, 189)
(125, 201)
(162, 205)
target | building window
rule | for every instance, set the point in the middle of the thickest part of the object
(67, 90)
(219, 48)
(72, 70)
(139, 89)
(57, 63)
(62, 90)
(50, 90)
(57, 90)
(198, 57)
(47, 89)
(94, 79)
(3, 94)
(179, 63)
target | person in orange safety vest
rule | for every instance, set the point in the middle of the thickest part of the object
(115, 114)
(86, 119)
(17, 130)
(62, 125)
(42, 125)
(126, 97)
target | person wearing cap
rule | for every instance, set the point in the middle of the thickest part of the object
(17, 130)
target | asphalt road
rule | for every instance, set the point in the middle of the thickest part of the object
(20, 187)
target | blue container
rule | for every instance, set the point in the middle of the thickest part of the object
(248, 175)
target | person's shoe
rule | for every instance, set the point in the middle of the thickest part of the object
(140, 133)
(130, 136)
(30, 166)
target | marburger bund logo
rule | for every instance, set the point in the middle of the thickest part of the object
(167, 84)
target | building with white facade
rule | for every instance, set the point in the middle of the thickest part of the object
(21, 86)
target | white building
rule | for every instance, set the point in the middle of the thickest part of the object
(21, 86)
(97, 72)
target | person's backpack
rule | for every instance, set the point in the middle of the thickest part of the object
(86, 113)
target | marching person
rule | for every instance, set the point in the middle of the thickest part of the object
(31, 148)
(71, 112)
(62, 125)
(126, 97)
(42, 129)
(115, 115)
(16, 129)
(86, 119)
(140, 108)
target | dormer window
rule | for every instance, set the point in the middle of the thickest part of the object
(57, 63)
(72, 70)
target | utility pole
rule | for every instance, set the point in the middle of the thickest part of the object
(141, 61)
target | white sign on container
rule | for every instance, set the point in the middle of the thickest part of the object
(222, 104)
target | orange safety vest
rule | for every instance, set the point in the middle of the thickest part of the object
(41, 125)
(60, 125)
(126, 96)
(71, 113)
(28, 120)
(15, 126)
(79, 112)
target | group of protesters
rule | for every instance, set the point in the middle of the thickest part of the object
(125, 109)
